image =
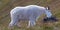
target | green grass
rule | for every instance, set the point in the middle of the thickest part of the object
(4, 3)
(40, 26)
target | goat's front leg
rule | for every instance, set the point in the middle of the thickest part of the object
(32, 22)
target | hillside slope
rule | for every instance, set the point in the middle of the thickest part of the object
(4, 12)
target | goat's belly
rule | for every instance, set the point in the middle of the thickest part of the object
(23, 17)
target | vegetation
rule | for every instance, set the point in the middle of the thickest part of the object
(7, 5)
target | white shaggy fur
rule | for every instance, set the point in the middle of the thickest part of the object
(31, 12)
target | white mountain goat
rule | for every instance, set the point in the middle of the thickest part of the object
(30, 12)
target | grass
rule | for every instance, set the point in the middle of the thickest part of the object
(3, 3)
(40, 26)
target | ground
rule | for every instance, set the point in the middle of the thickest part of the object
(7, 5)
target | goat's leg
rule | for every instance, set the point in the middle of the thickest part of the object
(14, 20)
(32, 22)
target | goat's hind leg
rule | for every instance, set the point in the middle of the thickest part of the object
(14, 20)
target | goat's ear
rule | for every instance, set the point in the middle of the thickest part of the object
(48, 8)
